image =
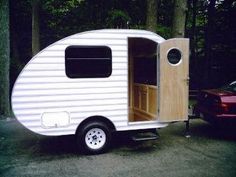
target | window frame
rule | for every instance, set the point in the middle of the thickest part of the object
(92, 75)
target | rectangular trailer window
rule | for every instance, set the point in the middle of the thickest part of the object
(88, 61)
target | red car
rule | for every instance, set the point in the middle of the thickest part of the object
(217, 105)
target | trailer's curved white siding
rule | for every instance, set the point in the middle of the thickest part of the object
(43, 87)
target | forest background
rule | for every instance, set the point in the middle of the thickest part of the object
(28, 26)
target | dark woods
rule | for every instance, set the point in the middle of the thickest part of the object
(211, 27)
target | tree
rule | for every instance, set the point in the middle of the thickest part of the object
(117, 19)
(179, 18)
(209, 38)
(35, 27)
(4, 58)
(151, 19)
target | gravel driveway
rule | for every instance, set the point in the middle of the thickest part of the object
(209, 152)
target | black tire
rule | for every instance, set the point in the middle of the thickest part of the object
(94, 138)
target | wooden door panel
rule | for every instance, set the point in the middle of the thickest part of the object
(173, 86)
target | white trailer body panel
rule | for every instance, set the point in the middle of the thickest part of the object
(42, 91)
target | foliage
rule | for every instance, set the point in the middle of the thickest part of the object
(213, 61)
(117, 19)
(164, 31)
(4, 58)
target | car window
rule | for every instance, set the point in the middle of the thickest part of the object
(231, 87)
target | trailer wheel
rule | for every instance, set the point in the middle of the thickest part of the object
(94, 138)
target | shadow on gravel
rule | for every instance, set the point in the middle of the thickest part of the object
(122, 141)
(57, 145)
(220, 132)
(66, 145)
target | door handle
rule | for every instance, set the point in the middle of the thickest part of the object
(187, 80)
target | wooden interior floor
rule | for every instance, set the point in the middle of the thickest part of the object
(136, 118)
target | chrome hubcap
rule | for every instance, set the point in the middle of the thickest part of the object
(95, 138)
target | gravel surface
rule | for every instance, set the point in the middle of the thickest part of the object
(210, 152)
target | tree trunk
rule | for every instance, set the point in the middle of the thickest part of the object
(151, 19)
(35, 27)
(4, 58)
(193, 46)
(193, 29)
(208, 41)
(178, 25)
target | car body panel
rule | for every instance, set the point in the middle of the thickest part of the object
(217, 104)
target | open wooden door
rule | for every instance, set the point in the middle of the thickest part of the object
(174, 79)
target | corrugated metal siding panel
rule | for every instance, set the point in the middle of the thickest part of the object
(56, 60)
(78, 115)
(93, 109)
(69, 91)
(72, 85)
(61, 80)
(51, 98)
(61, 53)
(79, 41)
(61, 73)
(35, 124)
(68, 104)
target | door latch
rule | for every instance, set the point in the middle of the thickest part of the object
(187, 80)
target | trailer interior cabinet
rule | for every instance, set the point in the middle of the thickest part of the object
(145, 101)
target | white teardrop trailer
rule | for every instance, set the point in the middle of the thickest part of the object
(93, 83)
